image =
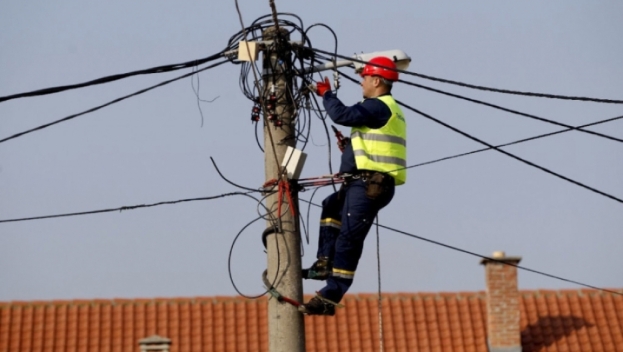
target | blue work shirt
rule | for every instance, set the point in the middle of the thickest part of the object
(371, 113)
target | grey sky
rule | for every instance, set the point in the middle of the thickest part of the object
(152, 147)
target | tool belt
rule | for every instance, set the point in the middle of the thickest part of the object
(376, 182)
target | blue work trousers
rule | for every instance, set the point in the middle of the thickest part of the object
(346, 219)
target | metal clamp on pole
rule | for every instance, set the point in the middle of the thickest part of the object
(273, 292)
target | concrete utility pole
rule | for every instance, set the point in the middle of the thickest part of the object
(286, 326)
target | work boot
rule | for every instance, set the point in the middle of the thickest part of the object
(320, 270)
(317, 306)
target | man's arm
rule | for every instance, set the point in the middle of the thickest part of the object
(372, 113)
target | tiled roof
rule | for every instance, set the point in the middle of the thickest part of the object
(566, 320)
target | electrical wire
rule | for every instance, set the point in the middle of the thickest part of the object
(297, 93)
(107, 79)
(512, 143)
(196, 91)
(311, 198)
(310, 203)
(472, 86)
(569, 128)
(244, 31)
(499, 261)
(380, 300)
(335, 46)
(70, 117)
(327, 134)
(487, 258)
(489, 147)
(510, 154)
(251, 95)
(510, 110)
(257, 139)
(230, 182)
(231, 250)
(124, 208)
(294, 92)
(305, 233)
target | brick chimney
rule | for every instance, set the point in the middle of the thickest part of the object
(155, 343)
(503, 330)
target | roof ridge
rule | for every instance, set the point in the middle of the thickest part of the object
(350, 296)
(580, 292)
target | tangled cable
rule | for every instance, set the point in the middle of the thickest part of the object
(294, 60)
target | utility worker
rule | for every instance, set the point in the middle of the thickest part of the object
(373, 163)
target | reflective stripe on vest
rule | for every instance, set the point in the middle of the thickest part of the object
(381, 158)
(383, 149)
(379, 137)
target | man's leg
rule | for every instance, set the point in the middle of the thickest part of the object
(357, 217)
(330, 223)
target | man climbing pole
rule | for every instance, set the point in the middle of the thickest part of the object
(373, 163)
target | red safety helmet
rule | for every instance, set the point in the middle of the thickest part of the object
(388, 74)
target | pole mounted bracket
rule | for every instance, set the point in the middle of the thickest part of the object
(247, 51)
(293, 162)
(258, 46)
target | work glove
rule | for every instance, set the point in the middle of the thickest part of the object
(323, 87)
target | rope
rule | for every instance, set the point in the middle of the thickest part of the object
(378, 256)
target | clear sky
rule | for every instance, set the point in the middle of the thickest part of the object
(152, 147)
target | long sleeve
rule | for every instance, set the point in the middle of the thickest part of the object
(372, 113)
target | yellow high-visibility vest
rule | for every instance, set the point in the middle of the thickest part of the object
(383, 149)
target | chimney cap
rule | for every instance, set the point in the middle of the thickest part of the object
(154, 340)
(500, 257)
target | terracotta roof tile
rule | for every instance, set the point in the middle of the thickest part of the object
(566, 320)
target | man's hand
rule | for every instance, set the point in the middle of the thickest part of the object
(342, 143)
(323, 87)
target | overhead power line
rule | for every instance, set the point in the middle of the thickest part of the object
(132, 207)
(510, 154)
(499, 261)
(116, 77)
(512, 143)
(569, 128)
(110, 102)
(129, 207)
(484, 257)
(510, 110)
(473, 86)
